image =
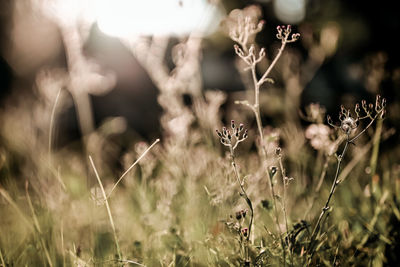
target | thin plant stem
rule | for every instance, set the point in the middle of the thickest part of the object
(272, 65)
(10, 201)
(246, 197)
(333, 187)
(108, 208)
(52, 117)
(62, 241)
(285, 183)
(37, 226)
(277, 219)
(133, 165)
(336, 255)
(256, 110)
(256, 107)
(2, 259)
(375, 149)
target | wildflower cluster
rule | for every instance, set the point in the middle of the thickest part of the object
(232, 139)
(241, 214)
(349, 123)
(284, 34)
(245, 28)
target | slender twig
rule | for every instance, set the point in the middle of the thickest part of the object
(108, 208)
(133, 165)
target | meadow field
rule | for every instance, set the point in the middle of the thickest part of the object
(244, 178)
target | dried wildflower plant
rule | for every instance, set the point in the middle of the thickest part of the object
(244, 25)
(232, 140)
(242, 31)
(348, 126)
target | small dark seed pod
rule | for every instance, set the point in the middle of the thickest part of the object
(245, 135)
(238, 215)
(245, 232)
(370, 106)
(244, 213)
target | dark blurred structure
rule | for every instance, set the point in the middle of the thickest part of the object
(366, 29)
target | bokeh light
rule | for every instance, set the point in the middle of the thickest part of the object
(122, 18)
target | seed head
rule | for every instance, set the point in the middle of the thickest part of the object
(348, 124)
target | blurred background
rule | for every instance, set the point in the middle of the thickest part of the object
(356, 47)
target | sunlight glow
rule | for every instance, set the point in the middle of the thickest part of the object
(128, 18)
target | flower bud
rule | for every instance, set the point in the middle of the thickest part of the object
(245, 232)
(357, 109)
(364, 104)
